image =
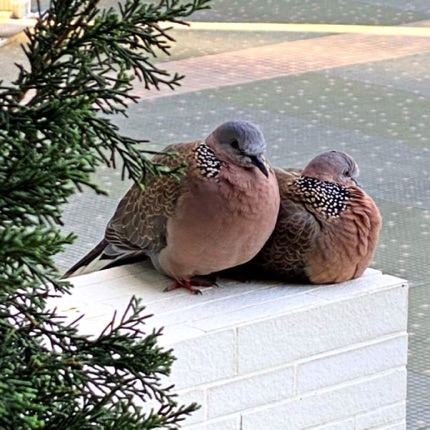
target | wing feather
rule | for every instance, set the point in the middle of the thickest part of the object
(139, 224)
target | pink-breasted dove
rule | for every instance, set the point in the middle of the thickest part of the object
(327, 228)
(218, 215)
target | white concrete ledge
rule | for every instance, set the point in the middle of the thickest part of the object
(269, 355)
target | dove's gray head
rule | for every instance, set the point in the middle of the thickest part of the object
(333, 166)
(242, 142)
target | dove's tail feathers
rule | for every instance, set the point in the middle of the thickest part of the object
(104, 256)
(88, 263)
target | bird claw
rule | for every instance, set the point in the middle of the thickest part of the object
(204, 281)
(191, 284)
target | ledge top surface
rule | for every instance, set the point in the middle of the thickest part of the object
(183, 315)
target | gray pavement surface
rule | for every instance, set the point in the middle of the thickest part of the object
(367, 95)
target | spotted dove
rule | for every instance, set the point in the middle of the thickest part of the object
(218, 215)
(327, 227)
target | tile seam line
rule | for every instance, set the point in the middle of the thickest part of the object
(392, 372)
(294, 365)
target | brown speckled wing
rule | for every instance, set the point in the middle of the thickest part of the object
(140, 220)
(285, 252)
(327, 228)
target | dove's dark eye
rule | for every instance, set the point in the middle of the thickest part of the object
(234, 144)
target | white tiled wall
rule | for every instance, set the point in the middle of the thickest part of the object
(268, 355)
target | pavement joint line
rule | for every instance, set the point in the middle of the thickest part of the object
(377, 30)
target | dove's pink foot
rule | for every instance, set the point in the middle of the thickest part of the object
(190, 284)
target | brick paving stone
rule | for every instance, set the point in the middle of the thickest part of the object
(286, 58)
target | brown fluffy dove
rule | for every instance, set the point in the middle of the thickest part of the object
(217, 216)
(327, 228)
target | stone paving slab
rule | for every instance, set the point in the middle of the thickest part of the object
(287, 58)
(366, 94)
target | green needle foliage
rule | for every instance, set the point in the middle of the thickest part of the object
(55, 130)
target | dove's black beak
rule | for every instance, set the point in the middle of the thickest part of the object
(258, 161)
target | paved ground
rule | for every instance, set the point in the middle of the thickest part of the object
(366, 94)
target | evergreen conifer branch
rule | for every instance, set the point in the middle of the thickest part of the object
(55, 130)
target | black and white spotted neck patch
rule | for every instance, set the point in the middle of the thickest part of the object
(328, 198)
(207, 161)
